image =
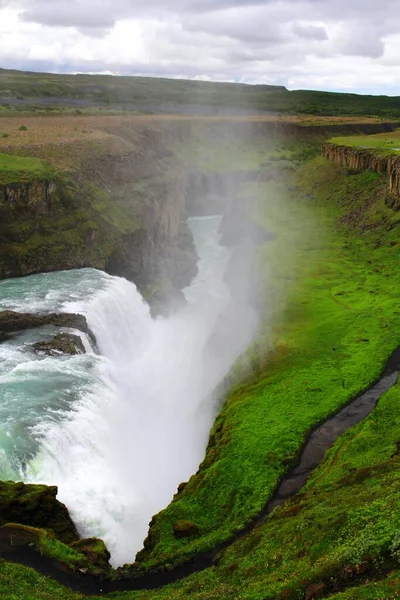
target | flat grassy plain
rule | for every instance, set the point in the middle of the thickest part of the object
(381, 143)
(66, 140)
(17, 169)
(65, 128)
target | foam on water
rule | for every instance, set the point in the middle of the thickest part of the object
(118, 432)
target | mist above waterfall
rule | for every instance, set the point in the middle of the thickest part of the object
(142, 427)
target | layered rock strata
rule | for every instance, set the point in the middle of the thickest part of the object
(364, 159)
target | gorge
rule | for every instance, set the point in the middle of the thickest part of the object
(320, 309)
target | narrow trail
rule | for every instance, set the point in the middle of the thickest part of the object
(319, 440)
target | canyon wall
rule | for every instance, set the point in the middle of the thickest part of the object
(120, 208)
(365, 159)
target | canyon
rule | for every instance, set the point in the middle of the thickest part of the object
(117, 198)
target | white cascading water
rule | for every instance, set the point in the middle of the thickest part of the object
(141, 426)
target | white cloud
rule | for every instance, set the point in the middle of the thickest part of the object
(326, 44)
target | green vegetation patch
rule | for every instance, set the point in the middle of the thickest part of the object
(22, 583)
(382, 143)
(19, 169)
(35, 505)
(387, 589)
(47, 545)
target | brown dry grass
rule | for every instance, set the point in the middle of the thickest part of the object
(45, 130)
(65, 140)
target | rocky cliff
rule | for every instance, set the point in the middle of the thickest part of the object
(117, 198)
(364, 159)
(119, 208)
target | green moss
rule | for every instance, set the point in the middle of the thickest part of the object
(17, 169)
(47, 545)
(96, 552)
(387, 589)
(35, 505)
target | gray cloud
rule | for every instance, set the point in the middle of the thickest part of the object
(63, 17)
(73, 13)
(265, 40)
(362, 44)
(310, 32)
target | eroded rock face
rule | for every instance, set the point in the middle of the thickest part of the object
(36, 506)
(62, 343)
(363, 159)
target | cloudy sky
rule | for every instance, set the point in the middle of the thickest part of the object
(342, 45)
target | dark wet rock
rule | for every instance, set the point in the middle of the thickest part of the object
(36, 506)
(16, 535)
(185, 529)
(12, 321)
(95, 551)
(62, 343)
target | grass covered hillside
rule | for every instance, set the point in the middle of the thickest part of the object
(339, 324)
(45, 93)
(331, 318)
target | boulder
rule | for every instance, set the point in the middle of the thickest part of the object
(95, 551)
(12, 322)
(36, 506)
(62, 343)
(184, 528)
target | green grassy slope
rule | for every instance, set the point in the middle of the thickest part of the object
(45, 91)
(339, 323)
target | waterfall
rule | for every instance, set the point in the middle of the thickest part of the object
(141, 427)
